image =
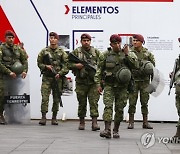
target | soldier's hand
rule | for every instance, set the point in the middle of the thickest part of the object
(79, 66)
(57, 76)
(23, 75)
(99, 89)
(125, 49)
(13, 75)
(49, 67)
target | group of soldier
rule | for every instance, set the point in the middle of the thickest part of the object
(120, 74)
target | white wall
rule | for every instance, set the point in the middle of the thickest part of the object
(149, 19)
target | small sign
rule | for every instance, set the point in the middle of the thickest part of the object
(17, 99)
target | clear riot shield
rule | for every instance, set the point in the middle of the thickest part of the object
(17, 100)
(157, 84)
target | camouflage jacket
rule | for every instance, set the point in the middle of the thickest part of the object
(59, 60)
(120, 59)
(92, 56)
(10, 55)
(144, 54)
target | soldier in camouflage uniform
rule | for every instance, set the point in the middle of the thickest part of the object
(13, 62)
(141, 82)
(53, 74)
(114, 69)
(85, 85)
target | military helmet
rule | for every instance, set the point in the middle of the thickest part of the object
(17, 67)
(147, 67)
(123, 75)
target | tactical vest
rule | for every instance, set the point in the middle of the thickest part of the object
(11, 58)
(55, 60)
(91, 57)
(115, 67)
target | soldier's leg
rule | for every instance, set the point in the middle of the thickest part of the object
(2, 120)
(45, 92)
(108, 99)
(81, 92)
(120, 103)
(93, 97)
(144, 98)
(178, 110)
(132, 105)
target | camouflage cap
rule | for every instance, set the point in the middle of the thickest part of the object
(115, 38)
(85, 36)
(54, 34)
(9, 33)
(139, 37)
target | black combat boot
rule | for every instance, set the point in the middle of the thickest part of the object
(43, 119)
(146, 125)
(2, 120)
(54, 120)
(81, 123)
(94, 124)
(116, 130)
(131, 121)
(107, 131)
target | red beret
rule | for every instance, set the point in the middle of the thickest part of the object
(54, 34)
(9, 33)
(115, 38)
(85, 36)
(139, 37)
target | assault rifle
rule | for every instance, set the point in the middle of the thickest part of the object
(173, 75)
(48, 60)
(87, 65)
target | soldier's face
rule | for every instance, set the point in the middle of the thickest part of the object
(137, 43)
(53, 40)
(116, 46)
(9, 40)
(86, 43)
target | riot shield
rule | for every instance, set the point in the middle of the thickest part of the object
(17, 100)
(157, 84)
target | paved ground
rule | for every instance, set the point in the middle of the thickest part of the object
(67, 139)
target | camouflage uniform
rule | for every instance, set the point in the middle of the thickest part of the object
(141, 81)
(85, 85)
(60, 59)
(114, 91)
(8, 56)
(177, 92)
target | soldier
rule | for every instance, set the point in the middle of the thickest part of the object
(114, 68)
(85, 85)
(175, 77)
(13, 62)
(141, 81)
(52, 62)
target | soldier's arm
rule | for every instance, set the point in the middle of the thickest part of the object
(99, 71)
(151, 58)
(3, 68)
(71, 64)
(64, 69)
(40, 63)
(132, 60)
(23, 58)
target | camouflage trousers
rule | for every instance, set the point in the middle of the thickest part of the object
(178, 108)
(139, 87)
(48, 85)
(1, 95)
(115, 95)
(89, 92)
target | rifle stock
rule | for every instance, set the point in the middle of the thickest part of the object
(48, 61)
